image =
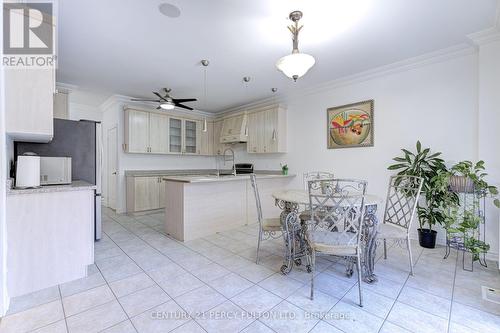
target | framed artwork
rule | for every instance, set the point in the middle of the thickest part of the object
(350, 125)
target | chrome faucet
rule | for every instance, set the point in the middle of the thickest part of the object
(226, 158)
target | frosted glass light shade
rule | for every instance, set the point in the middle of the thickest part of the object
(295, 65)
(167, 106)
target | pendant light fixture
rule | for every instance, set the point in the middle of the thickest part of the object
(205, 64)
(297, 64)
(246, 79)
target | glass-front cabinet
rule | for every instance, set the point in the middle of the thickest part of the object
(184, 136)
(190, 137)
(175, 135)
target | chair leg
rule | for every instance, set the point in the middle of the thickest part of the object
(358, 268)
(258, 246)
(313, 266)
(409, 254)
(385, 248)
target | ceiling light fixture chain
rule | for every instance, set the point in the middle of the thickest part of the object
(205, 64)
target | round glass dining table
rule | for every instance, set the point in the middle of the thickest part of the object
(293, 201)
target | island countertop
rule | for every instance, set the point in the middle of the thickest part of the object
(222, 178)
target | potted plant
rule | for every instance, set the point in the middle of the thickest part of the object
(435, 192)
(469, 177)
(284, 169)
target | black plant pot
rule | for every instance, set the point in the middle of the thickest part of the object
(427, 238)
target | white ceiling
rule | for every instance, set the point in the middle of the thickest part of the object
(127, 47)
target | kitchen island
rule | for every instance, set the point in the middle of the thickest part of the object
(201, 205)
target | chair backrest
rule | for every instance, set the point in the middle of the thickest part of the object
(253, 180)
(337, 205)
(402, 199)
(315, 175)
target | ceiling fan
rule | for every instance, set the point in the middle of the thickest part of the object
(166, 101)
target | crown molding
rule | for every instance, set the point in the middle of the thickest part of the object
(486, 36)
(125, 102)
(427, 59)
(66, 87)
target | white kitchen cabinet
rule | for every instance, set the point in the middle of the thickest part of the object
(267, 131)
(207, 139)
(146, 132)
(61, 105)
(29, 104)
(158, 133)
(175, 135)
(234, 129)
(192, 137)
(145, 193)
(136, 131)
(218, 146)
(184, 136)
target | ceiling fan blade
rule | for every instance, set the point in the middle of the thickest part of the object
(158, 108)
(158, 94)
(182, 100)
(183, 106)
(145, 100)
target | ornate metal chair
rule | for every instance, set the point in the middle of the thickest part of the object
(400, 206)
(335, 228)
(268, 228)
(307, 177)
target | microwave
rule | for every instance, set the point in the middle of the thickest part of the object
(55, 170)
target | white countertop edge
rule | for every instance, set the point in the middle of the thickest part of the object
(76, 185)
(215, 179)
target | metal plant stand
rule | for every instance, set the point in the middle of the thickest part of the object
(470, 201)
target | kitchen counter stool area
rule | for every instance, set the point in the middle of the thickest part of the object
(145, 281)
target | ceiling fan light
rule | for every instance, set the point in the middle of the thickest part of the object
(167, 106)
(295, 65)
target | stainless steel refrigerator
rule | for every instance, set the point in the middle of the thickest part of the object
(82, 141)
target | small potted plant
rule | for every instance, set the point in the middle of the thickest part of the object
(284, 169)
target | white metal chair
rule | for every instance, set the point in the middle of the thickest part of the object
(268, 228)
(337, 210)
(315, 175)
(400, 207)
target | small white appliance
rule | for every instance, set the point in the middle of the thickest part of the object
(28, 171)
(55, 170)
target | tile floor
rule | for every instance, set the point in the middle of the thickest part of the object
(144, 281)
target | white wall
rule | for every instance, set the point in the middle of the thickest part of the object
(489, 133)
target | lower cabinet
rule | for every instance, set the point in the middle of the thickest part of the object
(145, 193)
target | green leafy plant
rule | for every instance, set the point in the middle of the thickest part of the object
(432, 169)
(476, 173)
(466, 224)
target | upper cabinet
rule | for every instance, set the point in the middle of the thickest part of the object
(149, 132)
(61, 105)
(29, 93)
(29, 103)
(145, 132)
(267, 130)
(156, 133)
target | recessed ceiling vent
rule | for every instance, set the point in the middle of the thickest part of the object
(169, 10)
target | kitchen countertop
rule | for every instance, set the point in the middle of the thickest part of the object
(77, 185)
(225, 178)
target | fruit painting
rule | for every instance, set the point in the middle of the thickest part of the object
(350, 125)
